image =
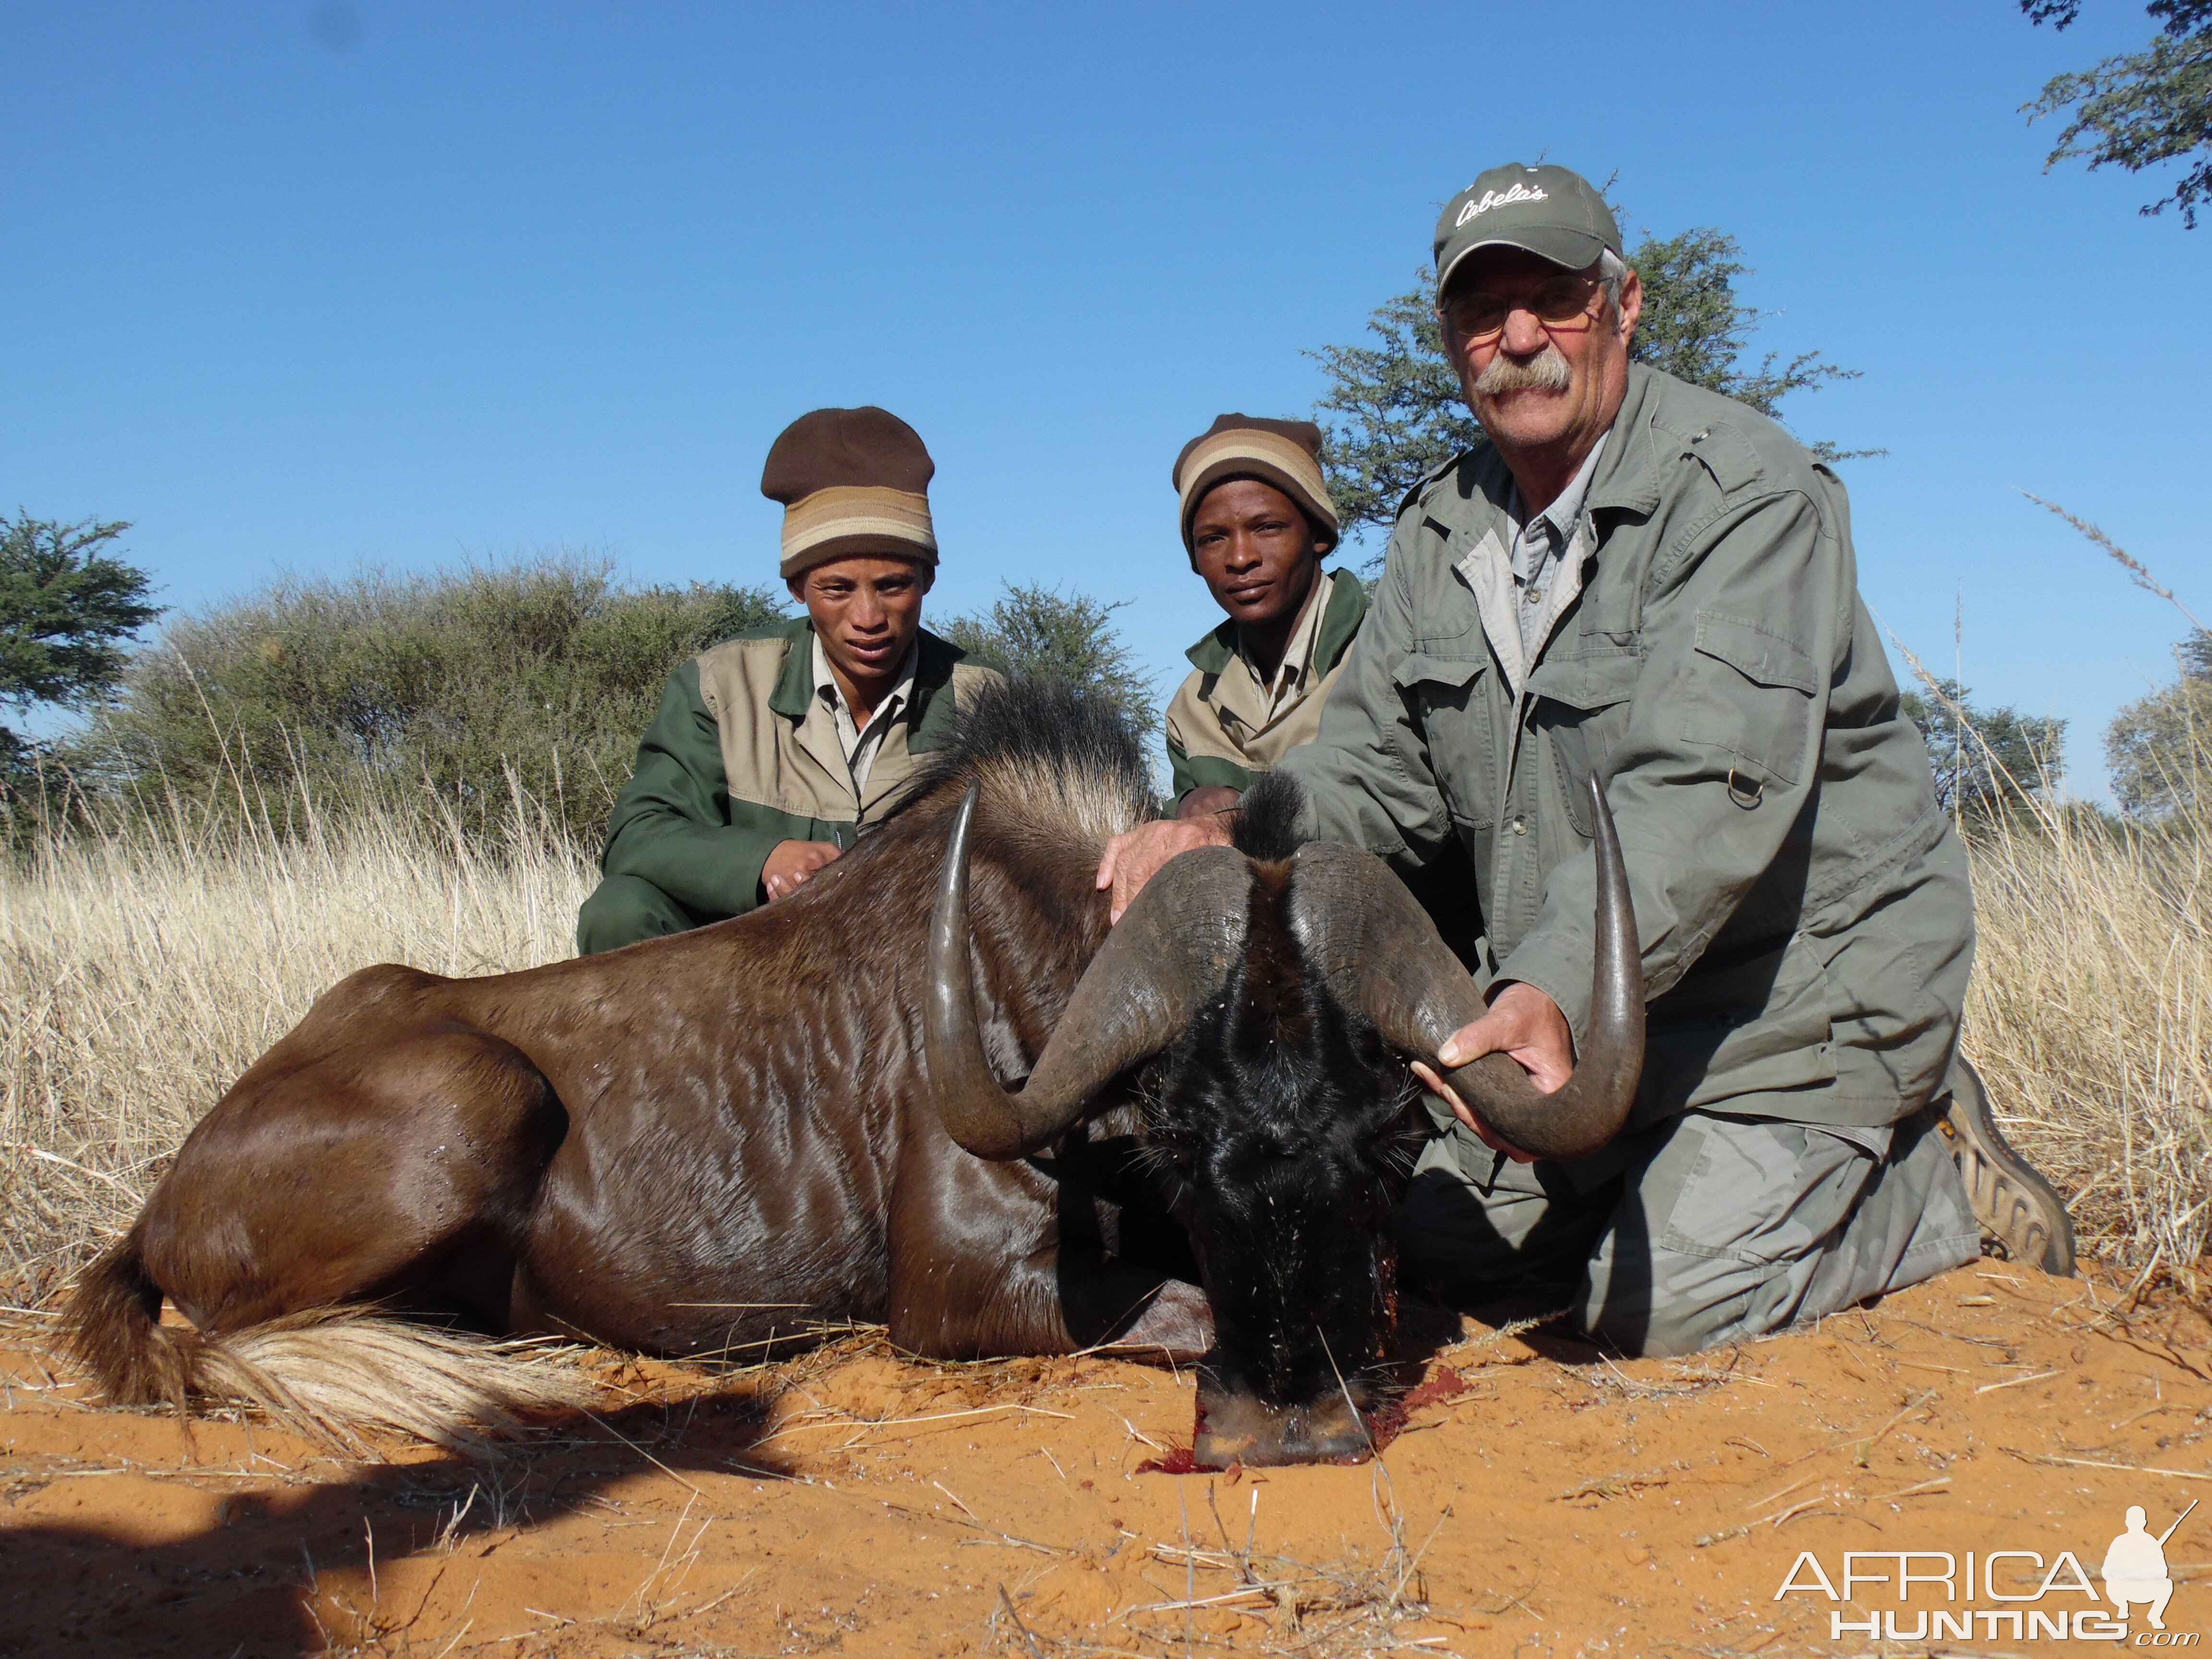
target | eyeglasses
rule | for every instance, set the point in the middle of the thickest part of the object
(1559, 302)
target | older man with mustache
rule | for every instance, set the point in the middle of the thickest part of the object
(1636, 580)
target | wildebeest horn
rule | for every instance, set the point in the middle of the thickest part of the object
(1170, 951)
(1380, 954)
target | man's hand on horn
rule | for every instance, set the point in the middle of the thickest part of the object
(1134, 857)
(1527, 1027)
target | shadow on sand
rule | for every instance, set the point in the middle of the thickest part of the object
(284, 1572)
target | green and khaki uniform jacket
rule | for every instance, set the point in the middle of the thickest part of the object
(1802, 906)
(743, 754)
(1220, 729)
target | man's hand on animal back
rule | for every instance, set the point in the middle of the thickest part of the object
(1207, 798)
(790, 862)
(1527, 1027)
(1134, 857)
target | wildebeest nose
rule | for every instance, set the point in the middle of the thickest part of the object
(1243, 1429)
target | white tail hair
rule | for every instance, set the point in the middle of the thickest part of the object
(332, 1373)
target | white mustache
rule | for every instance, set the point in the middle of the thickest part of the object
(1547, 371)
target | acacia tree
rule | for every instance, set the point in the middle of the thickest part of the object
(1393, 409)
(1981, 756)
(2140, 108)
(2161, 747)
(66, 607)
(1041, 632)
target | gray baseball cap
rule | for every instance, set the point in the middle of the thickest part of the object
(1553, 212)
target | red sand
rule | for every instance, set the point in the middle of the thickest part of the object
(1551, 1503)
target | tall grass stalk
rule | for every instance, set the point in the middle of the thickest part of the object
(2090, 1017)
(147, 960)
(2090, 1013)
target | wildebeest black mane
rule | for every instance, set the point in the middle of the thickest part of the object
(1038, 725)
(1268, 818)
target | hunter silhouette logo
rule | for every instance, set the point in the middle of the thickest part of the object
(2135, 1567)
(2134, 1571)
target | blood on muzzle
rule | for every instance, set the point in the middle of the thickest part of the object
(1243, 1429)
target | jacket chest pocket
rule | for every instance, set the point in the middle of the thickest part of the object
(1751, 694)
(1449, 700)
(1580, 713)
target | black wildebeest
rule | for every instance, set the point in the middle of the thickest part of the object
(686, 1145)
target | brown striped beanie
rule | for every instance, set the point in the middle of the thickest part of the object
(852, 481)
(1284, 453)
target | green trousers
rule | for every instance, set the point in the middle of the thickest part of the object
(624, 909)
(1697, 1231)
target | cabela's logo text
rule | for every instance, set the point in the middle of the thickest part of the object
(1494, 198)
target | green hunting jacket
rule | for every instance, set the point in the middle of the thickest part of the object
(743, 754)
(1802, 906)
(1208, 743)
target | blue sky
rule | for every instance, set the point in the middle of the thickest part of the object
(299, 286)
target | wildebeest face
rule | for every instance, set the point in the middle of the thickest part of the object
(1285, 1130)
(1270, 992)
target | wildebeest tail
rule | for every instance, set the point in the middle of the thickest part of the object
(115, 1329)
(326, 1373)
(332, 1372)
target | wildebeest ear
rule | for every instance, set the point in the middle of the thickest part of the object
(1268, 817)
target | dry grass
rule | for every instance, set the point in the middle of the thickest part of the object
(142, 969)
(2091, 1018)
(2090, 1014)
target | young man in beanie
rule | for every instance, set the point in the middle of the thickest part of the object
(1257, 521)
(1635, 581)
(772, 751)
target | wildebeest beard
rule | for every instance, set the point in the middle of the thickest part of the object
(1286, 1133)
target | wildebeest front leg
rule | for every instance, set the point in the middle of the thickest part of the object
(1116, 1289)
(1172, 1320)
(991, 1259)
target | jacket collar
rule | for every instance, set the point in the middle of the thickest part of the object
(1627, 472)
(1340, 621)
(1347, 607)
(933, 671)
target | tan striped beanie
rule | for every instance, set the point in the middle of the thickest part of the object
(852, 481)
(1284, 453)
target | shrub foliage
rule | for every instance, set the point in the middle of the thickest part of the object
(460, 691)
(1985, 758)
(2139, 109)
(2158, 745)
(535, 675)
(1041, 632)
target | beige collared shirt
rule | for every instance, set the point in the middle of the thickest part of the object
(1522, 591)
(1229, 714)
(862, 743)
(1259, 702)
